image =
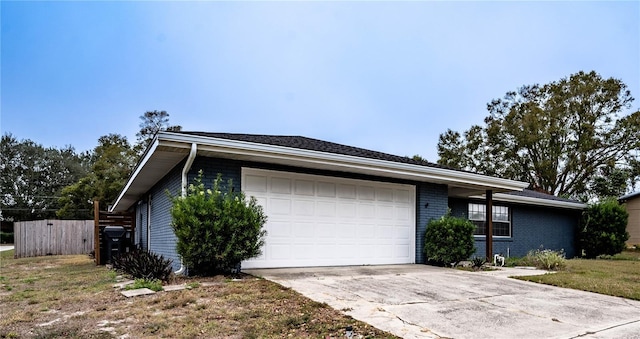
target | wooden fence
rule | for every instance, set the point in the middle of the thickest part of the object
(53, 237)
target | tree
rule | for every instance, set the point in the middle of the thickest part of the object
(216, 228)
(33, 176)
(152, 123)
(603, 229)
(557, 136)
(111, 163)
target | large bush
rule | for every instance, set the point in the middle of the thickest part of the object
(216, 228)
(603, 229)
(449, 240)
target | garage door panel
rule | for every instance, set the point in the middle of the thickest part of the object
(304, 230)
(255, 183)
(403, 196)
(304, 208)
(322, 221)
(279, 206)
(280, 185)
(367, 211)
(304, 188)
(347, 210)
(279, 229)
(326, 189)
(347, 191)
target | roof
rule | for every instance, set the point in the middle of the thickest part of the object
(168, 149)
(316, 145)
(629, 196)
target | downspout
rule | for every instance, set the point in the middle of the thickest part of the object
(185, 171)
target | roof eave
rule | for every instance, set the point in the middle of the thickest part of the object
(502, 197)
(346, 161)
(311, 159)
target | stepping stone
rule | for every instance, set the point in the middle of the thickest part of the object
(135, 293)
(174, 287)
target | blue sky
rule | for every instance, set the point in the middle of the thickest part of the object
(388, 76)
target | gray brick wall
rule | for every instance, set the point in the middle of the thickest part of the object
(532, 227)
(436, 196)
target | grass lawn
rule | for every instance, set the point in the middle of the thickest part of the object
(618, 276)
(69, 297)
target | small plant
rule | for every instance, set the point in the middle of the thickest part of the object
(152, 284)
(546, 259)
(449, 240)
(477, 262)
(193, 285)
(144, 265)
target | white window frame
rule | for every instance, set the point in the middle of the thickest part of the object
(477, 212)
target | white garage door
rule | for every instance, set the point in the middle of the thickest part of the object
(325, 221)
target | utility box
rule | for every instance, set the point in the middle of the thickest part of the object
(115, 237)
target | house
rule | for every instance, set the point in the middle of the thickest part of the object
(631, 203)
(330, 204)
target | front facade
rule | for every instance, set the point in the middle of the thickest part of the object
(631, 203)
(330, 204)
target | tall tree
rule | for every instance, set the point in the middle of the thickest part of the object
(557, 136)
(32, 177)
(152, 123)
(112, 162)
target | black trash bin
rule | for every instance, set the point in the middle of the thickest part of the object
(114, 237)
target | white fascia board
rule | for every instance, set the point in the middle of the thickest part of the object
(533, 201)
(416, 172)
(147, 155)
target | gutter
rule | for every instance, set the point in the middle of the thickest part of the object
(185, 171)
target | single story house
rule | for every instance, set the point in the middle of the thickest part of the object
(330, 204)
(631, 203)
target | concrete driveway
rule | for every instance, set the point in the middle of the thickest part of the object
(419, 301)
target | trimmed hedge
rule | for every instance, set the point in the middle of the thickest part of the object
(449, 240)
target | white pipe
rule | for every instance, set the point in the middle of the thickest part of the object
(185, 171)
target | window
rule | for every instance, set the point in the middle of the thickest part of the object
(501, 220)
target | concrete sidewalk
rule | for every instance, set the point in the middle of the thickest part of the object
(419, 301)
(6, 248)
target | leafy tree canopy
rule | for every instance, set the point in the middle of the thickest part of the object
(560, 137)
(112, 162)
(32, 176)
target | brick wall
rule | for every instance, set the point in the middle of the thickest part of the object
(436, 196)
(532, 227)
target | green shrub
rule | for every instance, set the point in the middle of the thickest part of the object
(216, 229)
(152, 284)
(449, 240)
(546, 259)
(142, 264)
(603, 229)
(6, 238)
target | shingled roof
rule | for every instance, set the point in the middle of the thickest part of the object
(316, 145)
